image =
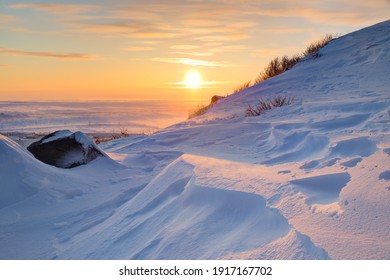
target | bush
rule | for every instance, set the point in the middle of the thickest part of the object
(277, 66)
(314, 47)
(267, 104)
(202, 109)
(243, 86)
(280, 65)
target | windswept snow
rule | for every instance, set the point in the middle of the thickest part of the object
(292, 246)
(173, 216)
(305, 181)
(323, 189)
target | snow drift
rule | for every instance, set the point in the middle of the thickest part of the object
(304, 181)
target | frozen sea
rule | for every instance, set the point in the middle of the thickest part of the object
(92, 116)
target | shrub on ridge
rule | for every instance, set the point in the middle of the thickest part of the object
(267, 104)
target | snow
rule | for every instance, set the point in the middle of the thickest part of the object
(323, 189)
(58, 135)
(293, 246)
(306, 181)
(79, 137)
(85, 141)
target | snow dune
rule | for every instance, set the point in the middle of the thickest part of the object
(305, 181)
(173, 216)
(322, 189)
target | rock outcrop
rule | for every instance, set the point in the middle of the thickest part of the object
(216, 98)
(65, 149)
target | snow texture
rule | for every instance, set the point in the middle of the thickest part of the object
(306, 181)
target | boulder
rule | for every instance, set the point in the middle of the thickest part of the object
(216, 98)
(65, 149)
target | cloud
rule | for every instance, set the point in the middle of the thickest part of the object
(229, 48)
(219, 30)
(151, 19)
(274, 52)
(184, 47)
(57, 55)
(344, 12)
(218, 25)
(222, 38)
(4, 18)
(242, 24)
(56, 7)
(192, 62)
(202, 22)
(204, 84)
(215, 17)
(303, 12)
(213, 44)
(159, 30)
(132, 29)
(288, 30)
(195, 53)
(138, 48)
(150, 42)
(138, 13)
(153, 35)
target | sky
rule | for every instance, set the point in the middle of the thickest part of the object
(159, 50)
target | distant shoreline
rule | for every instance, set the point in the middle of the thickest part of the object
(99, 119)
(26, 138)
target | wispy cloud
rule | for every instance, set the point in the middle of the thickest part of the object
(195, 53)
(192, 62)
(317, 14)
(218, 30)
(56, 7)
(229, 48)
(184, 47)
(57, 55)
(136, 13)
(223, 38)
(209, 21)
(242, 24)
(202, 22)
(204, 84)
(4, 18)
(138, 48)
(273, 52)
(159, 30)
(131, 29)
(288, 30)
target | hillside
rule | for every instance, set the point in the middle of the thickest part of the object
(310, 180)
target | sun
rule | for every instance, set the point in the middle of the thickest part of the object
(193, 79)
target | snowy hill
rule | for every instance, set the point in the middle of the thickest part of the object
(310, 180)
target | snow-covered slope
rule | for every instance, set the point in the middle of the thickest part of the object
(306, 181)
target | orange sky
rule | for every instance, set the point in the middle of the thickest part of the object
(144, 49)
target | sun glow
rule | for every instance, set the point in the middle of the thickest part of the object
(193, 79)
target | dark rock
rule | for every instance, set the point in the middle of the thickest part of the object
(65, 149)
(216, 98)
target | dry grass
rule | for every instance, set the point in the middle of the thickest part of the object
(282, 64)
(277, 66)
(200, 110)
(267, 104)
(243, 86)
(314, 47)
